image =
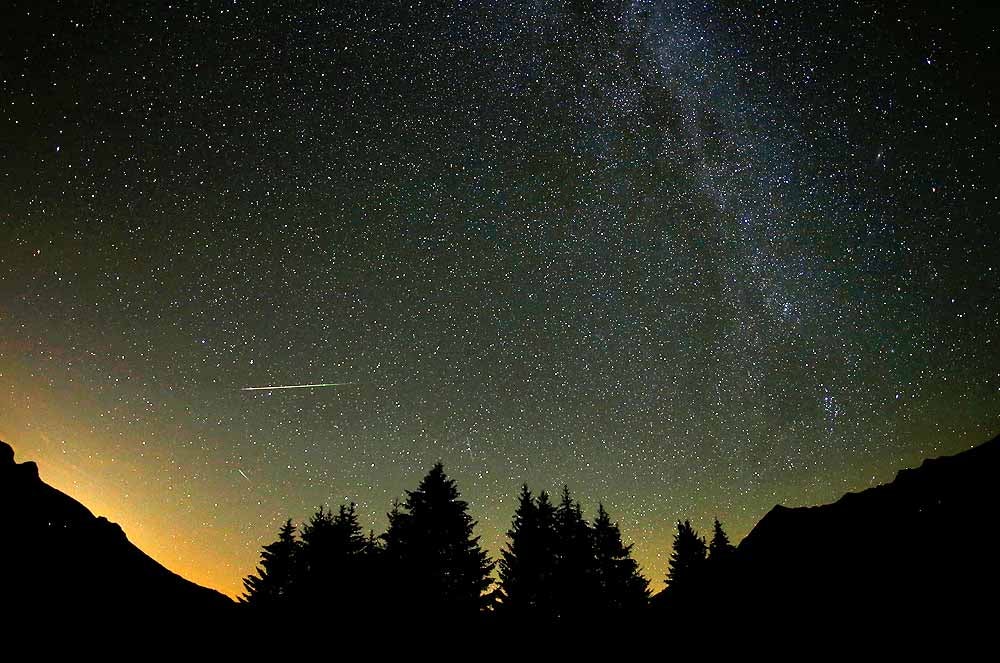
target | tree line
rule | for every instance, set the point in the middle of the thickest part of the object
(555, 568)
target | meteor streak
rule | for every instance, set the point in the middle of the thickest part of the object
(244, 475)
(298, 386)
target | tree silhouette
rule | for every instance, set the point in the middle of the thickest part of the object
(687, 560)
(622, 589)
(334, 560)
(317, 547)
(716, 588)
(720, 549)
(274, 583)
(433, 555)
(575, 580)
(526, 562)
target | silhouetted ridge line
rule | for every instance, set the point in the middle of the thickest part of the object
(920, 549)
(62, 560)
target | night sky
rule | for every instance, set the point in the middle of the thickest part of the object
(692, 259)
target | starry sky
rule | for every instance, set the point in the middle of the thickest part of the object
(692, 259)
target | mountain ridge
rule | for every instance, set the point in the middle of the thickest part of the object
(899, 550)
(68, 559)
(919, 548)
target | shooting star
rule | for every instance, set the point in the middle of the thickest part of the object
(241, 472)
(298, 386)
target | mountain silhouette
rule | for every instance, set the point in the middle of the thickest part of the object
(920, 550)
(916, 555)
(57, 558)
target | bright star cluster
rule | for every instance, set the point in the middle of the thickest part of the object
(690, 258)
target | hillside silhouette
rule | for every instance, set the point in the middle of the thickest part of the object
(59, 559)
(919, 550)
(920, 547)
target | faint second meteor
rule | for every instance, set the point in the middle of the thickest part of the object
(298, 386)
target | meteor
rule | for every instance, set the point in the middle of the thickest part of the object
(244, 475)
(298, 386)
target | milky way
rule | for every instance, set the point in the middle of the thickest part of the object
(691, 259)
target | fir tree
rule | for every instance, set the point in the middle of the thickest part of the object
(720, 549)
(430, 546)
(317, 548)
(546, 518)
(395, 537)
(547, 540)
(516, 566)
(687, 559)
(334, 564)
(622, 589)
(274, 583)
(717, 586)
(526, 562)
(575, 582)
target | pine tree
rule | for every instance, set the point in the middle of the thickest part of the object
(516, 566)
(349, 533)
(333, 552)
(575, 581)
(395, 537)
(716, 589)
(547, 540)
(434, 556)
(526, 563)
(317, 548)
(546, 517)
(720, 549)
(622, 589)
(274, 583)
(687, 560)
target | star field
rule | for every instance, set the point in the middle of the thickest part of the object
(691, 259)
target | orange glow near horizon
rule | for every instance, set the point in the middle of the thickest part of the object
(213, 537)
(688, 260)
